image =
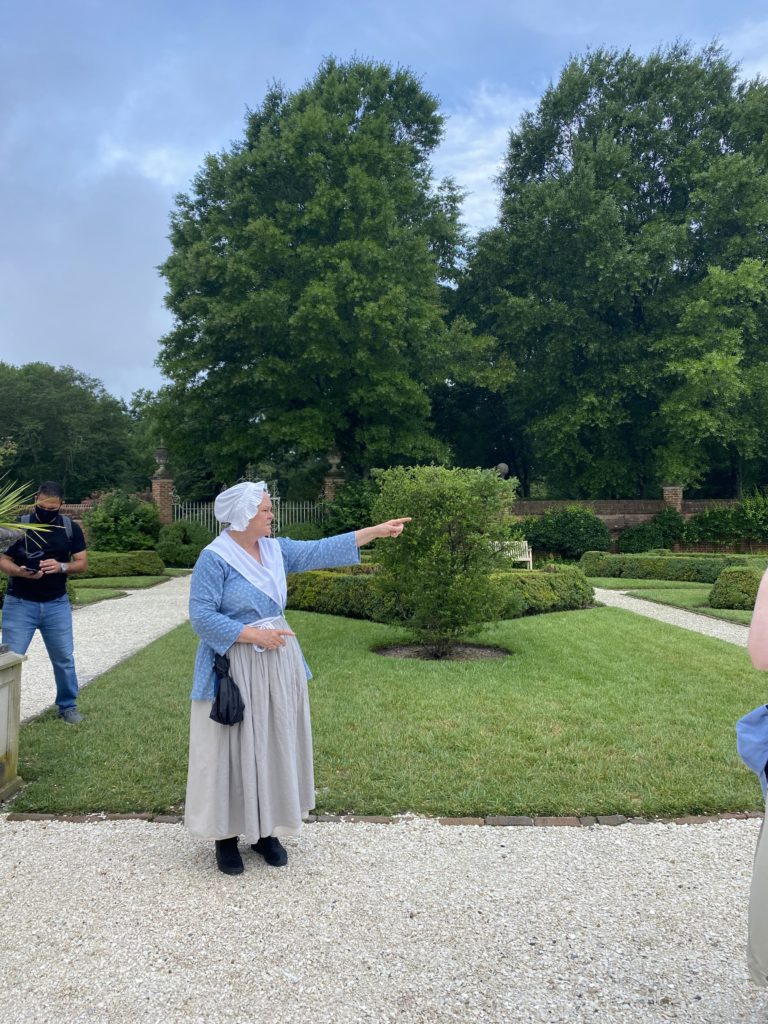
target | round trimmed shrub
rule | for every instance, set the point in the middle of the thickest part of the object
(735, 588)
(568, 532)
(435, 578)
(662, 531)
(122, 522)
(180, 543)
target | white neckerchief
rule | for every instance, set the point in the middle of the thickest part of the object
(268, 577)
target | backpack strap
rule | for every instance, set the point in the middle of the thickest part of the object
(66, 522)
(67, 527)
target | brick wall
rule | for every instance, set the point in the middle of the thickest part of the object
(621, 513)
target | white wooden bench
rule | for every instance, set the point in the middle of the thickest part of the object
(518, 551)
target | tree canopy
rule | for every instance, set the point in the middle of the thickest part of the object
(307, 276)
(59, 424)
(626, 282)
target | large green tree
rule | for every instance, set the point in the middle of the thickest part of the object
(57, 423)
(626, 282)
(307, 276)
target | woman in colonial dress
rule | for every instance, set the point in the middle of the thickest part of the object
(254, 779)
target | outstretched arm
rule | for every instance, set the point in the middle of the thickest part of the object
(392, 528)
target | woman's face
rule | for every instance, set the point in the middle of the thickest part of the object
(261, 524)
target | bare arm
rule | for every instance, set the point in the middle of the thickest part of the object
(392, 528)
(10, 568)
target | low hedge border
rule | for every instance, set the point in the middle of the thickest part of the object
(353, 594)
(123, 563)
(690, 568)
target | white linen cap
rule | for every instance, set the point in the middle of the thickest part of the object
(239, 504)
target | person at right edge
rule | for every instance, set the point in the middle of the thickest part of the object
(752, 733)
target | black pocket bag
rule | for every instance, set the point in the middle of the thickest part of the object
(228, 707)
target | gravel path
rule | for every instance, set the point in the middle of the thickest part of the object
(105, 633)
(129, 922)
(413, 922)
(731, 632)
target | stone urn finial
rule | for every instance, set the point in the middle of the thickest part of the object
(161, 458)
(334, 478)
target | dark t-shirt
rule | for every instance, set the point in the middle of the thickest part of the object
(32, 549)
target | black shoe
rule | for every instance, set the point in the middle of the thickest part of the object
(70, 715)
(272, 850)
(228, 856)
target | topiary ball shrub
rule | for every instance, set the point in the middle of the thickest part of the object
(303, 531)
(180, 543)
(568, 532)
(435, 577)
(735, 588)
(122, 522)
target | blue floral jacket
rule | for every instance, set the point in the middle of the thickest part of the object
(221, 601)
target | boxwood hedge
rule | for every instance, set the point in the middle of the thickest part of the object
(692, 568)
(123, 563)
(354, 595)
(735, 588)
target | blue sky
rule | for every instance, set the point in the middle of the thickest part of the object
(107, 108)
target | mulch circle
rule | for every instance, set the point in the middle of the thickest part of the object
(461, 652)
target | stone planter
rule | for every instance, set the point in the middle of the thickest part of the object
(10, 713)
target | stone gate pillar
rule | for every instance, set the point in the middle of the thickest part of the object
(334, 478)
(672, 495)
(162, 487)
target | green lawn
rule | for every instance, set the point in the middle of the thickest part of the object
(90, 595)
(120, 582)
(594, 712)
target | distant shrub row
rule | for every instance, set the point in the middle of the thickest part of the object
(745, 522)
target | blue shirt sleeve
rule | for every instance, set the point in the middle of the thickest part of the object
(303, 555)
(205, 597)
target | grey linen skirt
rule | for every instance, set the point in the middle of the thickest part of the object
(757, 950)
(256, 778)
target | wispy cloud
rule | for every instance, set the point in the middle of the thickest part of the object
(475, 143)
(749, 46)
(165, 165)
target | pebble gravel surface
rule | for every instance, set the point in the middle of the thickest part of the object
(731, 632)
(105, 634)
(129, 921)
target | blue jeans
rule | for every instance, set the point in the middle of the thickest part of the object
(54, 620)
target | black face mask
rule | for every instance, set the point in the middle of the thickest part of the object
(46, 515)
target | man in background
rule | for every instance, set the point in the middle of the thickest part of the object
(37, 566)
